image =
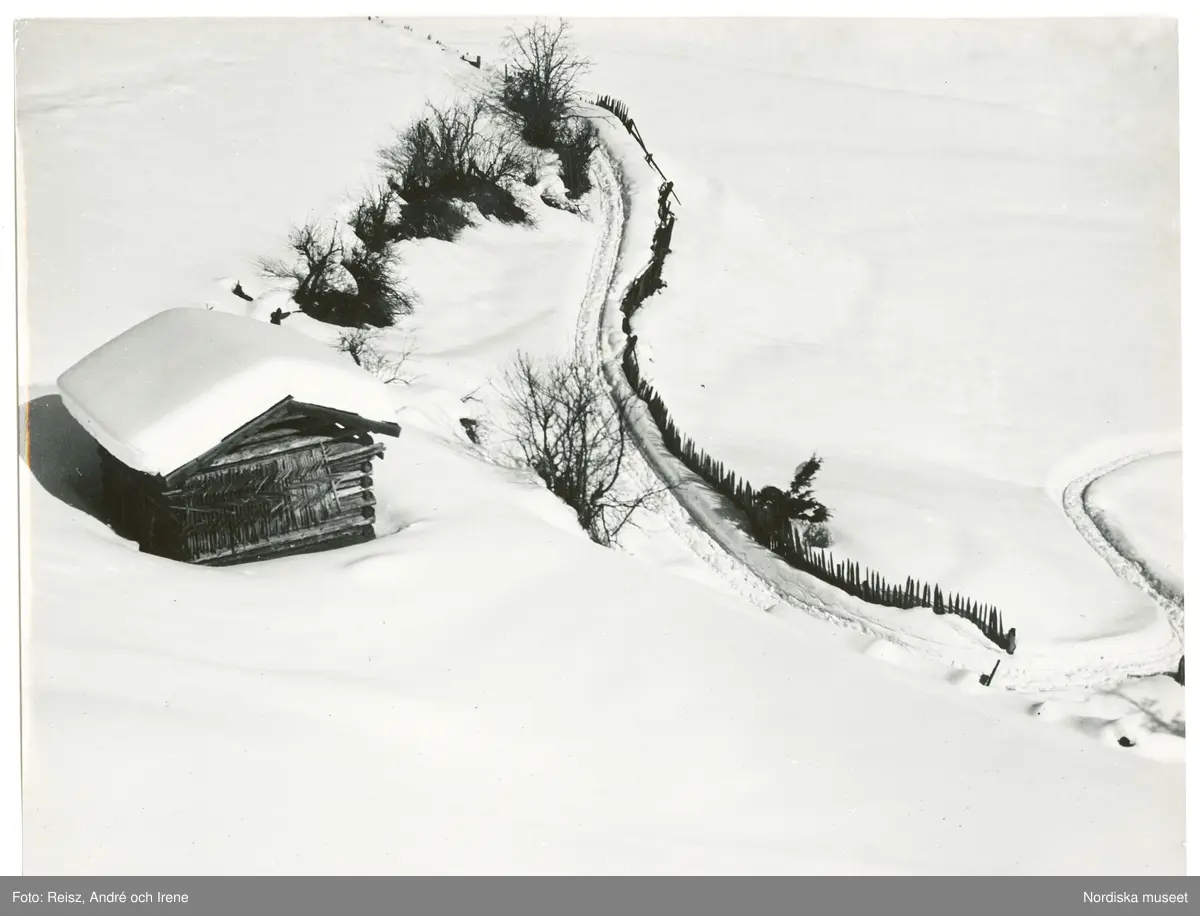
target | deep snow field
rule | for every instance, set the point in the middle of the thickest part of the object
(944, 256)
(1141, 503)
(481, 689)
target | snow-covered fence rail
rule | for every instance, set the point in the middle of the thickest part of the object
(763, 524)
(779, 535)
(621, 110)
(650, 280)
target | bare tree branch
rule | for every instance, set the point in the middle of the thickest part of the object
(363, 346)
(318, 252)
(453, 144)
(540, 86)
(566, 429)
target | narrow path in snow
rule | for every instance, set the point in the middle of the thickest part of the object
(690, 509)
(590, 341)
(1074, 502)
(747, 568)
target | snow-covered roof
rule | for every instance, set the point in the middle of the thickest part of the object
(170, 388)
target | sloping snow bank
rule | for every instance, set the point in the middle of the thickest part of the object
(1139, 507)
(487, 691)
(481, 689)
(1146, 644)
(921, 283)
(143, 146)
(174, 385)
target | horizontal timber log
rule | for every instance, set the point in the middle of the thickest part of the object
(343, 523)
(342, 453)
(341, 458)
(355, 478)
(347, 443)
(324, 539)
(356, 499)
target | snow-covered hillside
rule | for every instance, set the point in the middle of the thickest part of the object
(952, 292)
(944, 256)
(169, 114)
(481, 689)
(1140, 508)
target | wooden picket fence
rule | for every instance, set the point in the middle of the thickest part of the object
(779, 535)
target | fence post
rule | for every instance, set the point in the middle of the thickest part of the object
(986, 679)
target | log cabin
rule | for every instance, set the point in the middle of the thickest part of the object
(225, 440)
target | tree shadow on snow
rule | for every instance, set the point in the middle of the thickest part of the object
(1154, 720)
(60, 453)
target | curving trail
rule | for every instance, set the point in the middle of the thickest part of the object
(1074, 503)
(694, 514)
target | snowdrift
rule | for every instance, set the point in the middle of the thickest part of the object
(481, 689)
(1139, 507)
(172, 387)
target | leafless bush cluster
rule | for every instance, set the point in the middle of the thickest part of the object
(363, 345)
(354, 288)
(380, 295)
(453, 145)
(538, 91)
(375, 217)
(566, 429)
(317, 254)
(449, 156)
(539, 87)
(578, 139)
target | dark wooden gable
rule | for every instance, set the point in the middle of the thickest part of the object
(296, 422)
(296, 478)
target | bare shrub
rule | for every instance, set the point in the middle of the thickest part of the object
(380, 297)
(363, 346)
(540, 85)
(433, 216)
(451, 155)
(317, 258)
(501, 157)
(453, 144)
(578, 140)
(351, 289)
(566, 429)
(375, 219)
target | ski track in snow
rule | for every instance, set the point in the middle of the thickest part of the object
(759, 577)
(1074, 502)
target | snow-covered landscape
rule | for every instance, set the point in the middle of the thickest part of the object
(942, 255)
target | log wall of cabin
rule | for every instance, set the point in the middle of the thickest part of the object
(295, 486)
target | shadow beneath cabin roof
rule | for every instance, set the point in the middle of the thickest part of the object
(62, 455)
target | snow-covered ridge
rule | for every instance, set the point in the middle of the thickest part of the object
(481, 689)
(1100, 662)
(774, 579)
(1088, 519)
(173, 386)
